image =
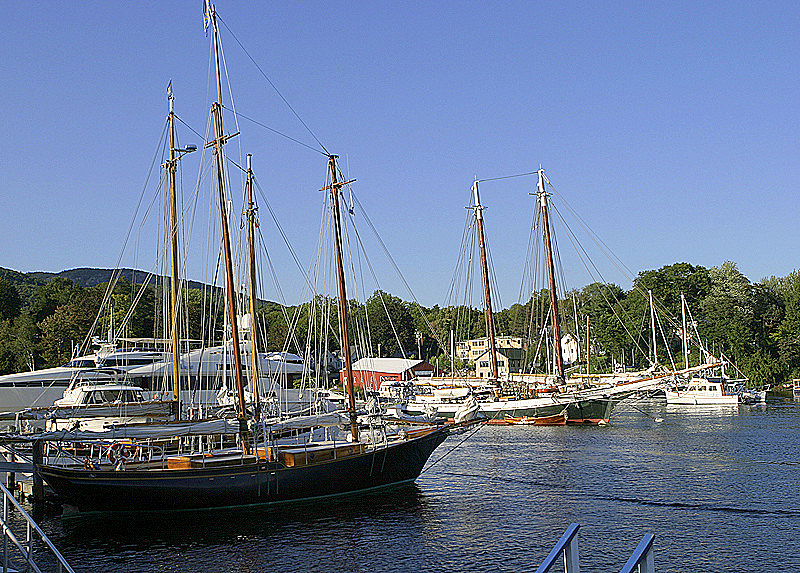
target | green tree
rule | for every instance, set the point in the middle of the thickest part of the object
(70, 324)
(50, 296)
(10, 301)
(391, 324)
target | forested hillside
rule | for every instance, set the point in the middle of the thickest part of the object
(44, 317)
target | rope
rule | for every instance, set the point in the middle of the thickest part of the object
(276, 132)
(274, 87)
(451, 450)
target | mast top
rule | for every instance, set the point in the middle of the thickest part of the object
(542, 193)
(476, 196)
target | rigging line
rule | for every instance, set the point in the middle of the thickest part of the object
(616, 261)
(112, 283)
(364, 332)
(189, 127)
(580, 249)
(135, 301)
(664, 337)
(263, 196)
(276, 132)
(492, 278)
(291, 323)
(529, 252)
(380, 293)
(451, 450)
(233, 102)
(530, 274)
(699, 343)
(273, 86)
(507, 177)
(351, 264)
(388, 255)
(455, 279)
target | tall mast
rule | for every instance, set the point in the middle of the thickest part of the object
(588, 349)
(251, 255)
(343, 321)
(653, 326)
(552, 276)
(219, 141)
(487, 293)
(173, 234)
(685, 333)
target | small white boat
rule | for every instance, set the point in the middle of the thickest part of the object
(701, 392)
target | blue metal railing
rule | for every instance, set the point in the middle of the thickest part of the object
(568, 546)
(25, 547)
(642, 560)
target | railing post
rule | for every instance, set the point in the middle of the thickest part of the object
(11, 477)
(568, 544)
(38, 460)
(30, 545)
(5, 534)
(642, 559)
(571, 561)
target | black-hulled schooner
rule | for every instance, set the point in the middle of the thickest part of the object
(249, 459)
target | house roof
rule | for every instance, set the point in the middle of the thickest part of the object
(390, 365)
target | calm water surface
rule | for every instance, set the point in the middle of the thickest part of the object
(718, 487)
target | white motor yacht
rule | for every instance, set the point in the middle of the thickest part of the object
(41, 388)
(701, 392)
(207, 373)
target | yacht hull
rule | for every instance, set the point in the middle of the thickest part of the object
(701, 399)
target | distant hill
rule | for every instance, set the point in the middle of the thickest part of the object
(27, 283)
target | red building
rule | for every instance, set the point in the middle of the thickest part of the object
(372, 372)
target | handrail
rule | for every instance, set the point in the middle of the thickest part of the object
(31, 525)
(642, 559)
(568, 545)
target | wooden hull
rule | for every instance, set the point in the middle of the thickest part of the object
(260, 482)
(558, 420)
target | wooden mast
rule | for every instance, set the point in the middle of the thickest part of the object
(653, 326)
(343, 320)
(685, 333)
(588, 349)
(487, 292)
(173, 235)
(219, 141)
(251, 255)
(552, 276)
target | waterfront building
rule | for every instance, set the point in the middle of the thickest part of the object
(470, 350)
(372, 372)
(509, 360)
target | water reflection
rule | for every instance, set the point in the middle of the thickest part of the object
(715, 486)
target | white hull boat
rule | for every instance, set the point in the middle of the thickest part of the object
(701, 392)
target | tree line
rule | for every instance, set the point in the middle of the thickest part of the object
(756, 325)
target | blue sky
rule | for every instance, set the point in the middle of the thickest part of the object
(672, 128)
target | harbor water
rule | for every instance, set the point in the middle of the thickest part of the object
(719, 488)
